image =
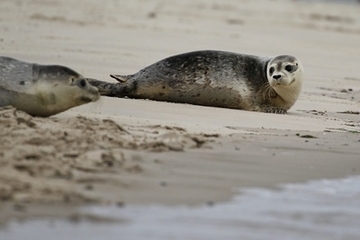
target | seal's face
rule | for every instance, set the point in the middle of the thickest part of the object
(285, 76)
(59, 88)
(283, 71)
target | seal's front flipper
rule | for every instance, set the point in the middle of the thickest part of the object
(121, 78)
(271, 109)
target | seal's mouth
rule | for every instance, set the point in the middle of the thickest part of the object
(86, 99)
(92, 95)
(275, 83)
(292, 81)
(92, 98)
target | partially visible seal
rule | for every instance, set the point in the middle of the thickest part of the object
(215, 78)
(42, 90)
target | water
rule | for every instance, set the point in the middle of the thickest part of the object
(326, 209)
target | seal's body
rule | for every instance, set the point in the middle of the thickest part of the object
(42, 90)
(215, 78)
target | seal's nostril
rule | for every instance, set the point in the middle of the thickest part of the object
(277, 77)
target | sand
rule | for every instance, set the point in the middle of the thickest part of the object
(125, 151)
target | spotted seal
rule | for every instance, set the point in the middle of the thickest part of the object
(42, 90)
(215, 78)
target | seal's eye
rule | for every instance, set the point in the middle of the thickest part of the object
(289, 68)
(271, 70)
(82, 83)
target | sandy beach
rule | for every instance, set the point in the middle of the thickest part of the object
(126, 151)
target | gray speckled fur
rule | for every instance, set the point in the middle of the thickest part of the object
(20, 81)
(211, 78)
(12, 74)
(16, 77)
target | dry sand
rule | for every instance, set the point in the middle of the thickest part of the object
(121, 151)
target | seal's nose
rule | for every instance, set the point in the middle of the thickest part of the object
(277, 77)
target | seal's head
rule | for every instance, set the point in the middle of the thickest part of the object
(285, 76)
(59, 88)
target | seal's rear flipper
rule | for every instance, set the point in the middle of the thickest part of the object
(121, 78)
(106, 88)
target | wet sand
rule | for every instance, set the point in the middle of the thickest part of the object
(125, 151)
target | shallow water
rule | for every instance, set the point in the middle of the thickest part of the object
(326, 209)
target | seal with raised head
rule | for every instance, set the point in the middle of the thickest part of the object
(215, 78)
(42, 90)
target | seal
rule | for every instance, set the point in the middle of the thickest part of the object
(42, 90)
(215, 78)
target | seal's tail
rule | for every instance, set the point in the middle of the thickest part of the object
(107, 89)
